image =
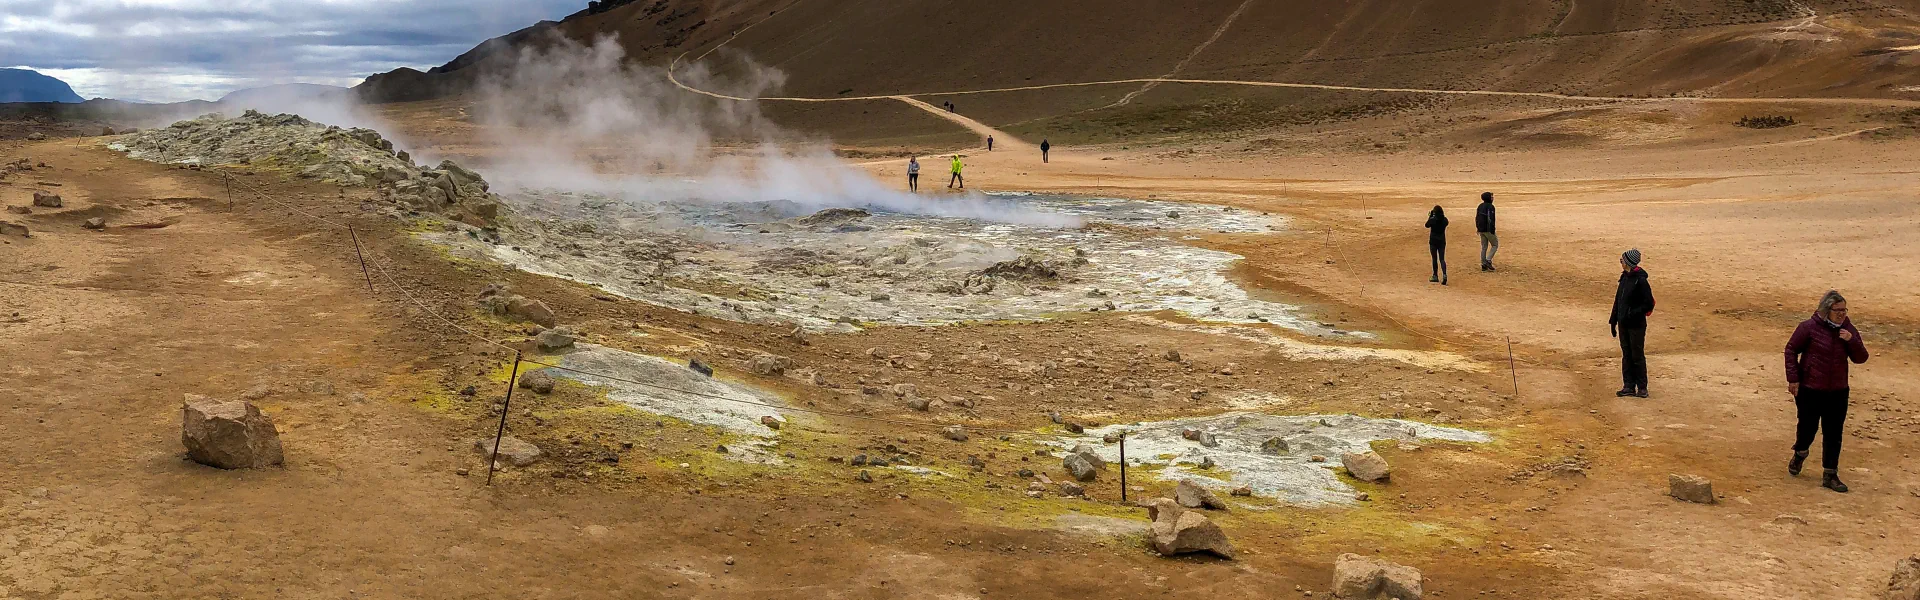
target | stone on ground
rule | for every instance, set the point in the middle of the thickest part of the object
(1366, 466)
(1691, 488)
(1357, 577)
(554, 339)
(1274, 446)
(1093, 458)
(513, 451)
(919, 403)
(228, 435)
(1192, 495)
(1186, 532)
(540, 381)
(1905, 584)
(955, 433)
(1079, 468)
(46, 199)
(20, 209)
(770, 421)
(526, 309)
(769, 365)
(95, 223)
(11, 228)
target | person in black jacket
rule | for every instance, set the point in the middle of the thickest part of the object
(1437, 243)
(1483, 222)
(1044, 147)
(1632, 302)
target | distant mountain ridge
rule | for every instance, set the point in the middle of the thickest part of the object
(24, 85)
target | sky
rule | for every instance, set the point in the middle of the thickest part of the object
(174, 50)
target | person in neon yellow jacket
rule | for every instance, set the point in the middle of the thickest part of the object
(957, 166)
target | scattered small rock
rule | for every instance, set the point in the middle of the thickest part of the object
(1274, 445)
(1171, 355)
(955, 433)
(699, 367)
(46, 199)
(1243, 491)
(94, 223)
(1691, 488)
(1905, 584)
(1072, 490)
(770, 422)
(918, 403)
(864, 476)
(1206, 463)
(769, 365)
(20, 209)
(11, 228)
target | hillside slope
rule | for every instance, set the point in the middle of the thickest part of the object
(1589, 47)
(22, 85)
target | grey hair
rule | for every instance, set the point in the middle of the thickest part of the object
(1826, 304)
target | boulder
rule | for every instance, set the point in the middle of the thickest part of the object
(1072, 490)
(1357, 577)
(554, 339)
(1188, 532)
(1079, 468)
(955, 433)
(1172, 355)
(1274, 445)
(36, 136)
(513, 451)
(769, 365)
(12, 228)
(20, 209)
(1905, 584)
(1366, 466)
(228, 435)
(1691, 488)
(1191, 495)
(95, 223)
(919, 403)
(520, 307)
(903, 390)
(699, 367)
(1245, 491)
(1087, 452)
(46, 199)
(770, 422)
(540, 381)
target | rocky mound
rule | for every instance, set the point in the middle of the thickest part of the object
(353, 157)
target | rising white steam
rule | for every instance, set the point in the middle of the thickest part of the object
(575, 117)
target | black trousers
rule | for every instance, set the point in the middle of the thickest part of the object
(1439, 252)
(956, 179)
(1633, 356)
(913, 182)
(1824, 411)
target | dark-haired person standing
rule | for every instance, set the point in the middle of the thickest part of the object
(1484, 222)
(1437, 243)
(1632, 302)
(1817, 357)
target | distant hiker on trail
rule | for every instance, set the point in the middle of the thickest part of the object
(913, 174)
(1483, 222)
(1632, 302)
(1437, 243)
(1817, 356)
(1044, 147)
(989, 143)
(956, 174)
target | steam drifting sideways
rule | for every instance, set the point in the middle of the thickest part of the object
(583, 119)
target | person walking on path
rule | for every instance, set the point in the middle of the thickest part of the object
(1044, 147)
(1483, 222)
(913, 174)
(956, 174)
(1817, 357)
(989, 143)
(1632, 302)
(1437, 243)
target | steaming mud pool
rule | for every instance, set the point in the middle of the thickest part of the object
(1012, 257)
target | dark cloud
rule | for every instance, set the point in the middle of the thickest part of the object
(166, 50)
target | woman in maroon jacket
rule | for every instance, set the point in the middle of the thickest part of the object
(1817, 356)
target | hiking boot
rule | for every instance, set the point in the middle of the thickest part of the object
(1443, 281)
(1640, 394)
(1624, 392)
(1832, 481)
(1793, 466)
(1434, 279)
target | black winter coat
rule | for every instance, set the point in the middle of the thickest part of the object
(1483, 218)
(1633, 300)
(1438, 236)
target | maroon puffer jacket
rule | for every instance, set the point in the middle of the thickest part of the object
(1817, 357)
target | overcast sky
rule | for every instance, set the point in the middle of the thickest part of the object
(171, 50)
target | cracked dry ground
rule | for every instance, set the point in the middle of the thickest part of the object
(381, 495)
